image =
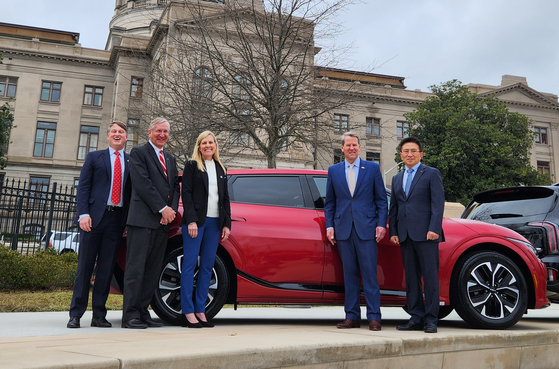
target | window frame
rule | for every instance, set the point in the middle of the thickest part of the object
(44, 142)
(89, 133)
(372, 125)
(51, 91)
(541, 137)
(373, 156)
(402, 129)
(7, 81)
(136, 88)
(132, 131)
(93, 94)
(339, 121)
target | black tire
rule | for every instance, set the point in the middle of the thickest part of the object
(443, 311)
(166, 300)
(489, 291)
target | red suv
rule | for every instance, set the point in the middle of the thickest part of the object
(278, 254)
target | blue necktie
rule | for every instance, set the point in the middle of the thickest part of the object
(408, 181)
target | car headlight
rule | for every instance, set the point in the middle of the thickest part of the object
(528, 245)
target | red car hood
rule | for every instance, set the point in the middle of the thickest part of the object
(482, 228)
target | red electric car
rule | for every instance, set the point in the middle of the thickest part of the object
(278, 254)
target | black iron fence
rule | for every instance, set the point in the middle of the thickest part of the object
(34, 216)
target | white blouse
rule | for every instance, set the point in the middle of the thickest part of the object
(213, 196)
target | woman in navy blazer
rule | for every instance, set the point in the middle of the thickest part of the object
(206, 220)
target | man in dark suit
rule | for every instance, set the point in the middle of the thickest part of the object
(356, 211)
(415, 221)
(102, 202)
(154, 203)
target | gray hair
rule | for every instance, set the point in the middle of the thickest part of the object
(157, 121)
(350, 134)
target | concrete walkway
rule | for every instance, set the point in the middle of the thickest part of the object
(277, 338)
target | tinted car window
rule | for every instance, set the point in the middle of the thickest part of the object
(507, 209)
(60, 236)
(268, 190)
(320, 183)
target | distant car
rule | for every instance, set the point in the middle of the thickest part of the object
(531, 211)
(62, 242)
(278, 253)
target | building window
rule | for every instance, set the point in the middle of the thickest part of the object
(44, 139)
(76, 183)
(239, 139)
(93, 96)
(402, 129)
(541, 135)
(132, 130)
(89, 136)
(51, 91)
(373, 156)
(39, 187)
(338, 156)
(8, 86)
(543, 168)
(341, 123)
(373, 126)
(202, 89)
(136, 87)
(241, 88)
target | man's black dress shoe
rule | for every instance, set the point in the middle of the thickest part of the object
(186, 323)
(74, 322)
(101, 323)
(410, 326)
(430, 328)
(134, 324)
(152, 323)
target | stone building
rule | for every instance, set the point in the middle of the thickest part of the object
(63, 97)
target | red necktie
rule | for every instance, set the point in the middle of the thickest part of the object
(162, 162)
(117, 180)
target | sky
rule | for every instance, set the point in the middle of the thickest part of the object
(426, 41)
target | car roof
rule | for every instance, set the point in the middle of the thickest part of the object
(515, 193)
(276, 171)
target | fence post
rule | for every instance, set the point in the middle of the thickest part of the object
(51, 215)
(15, 233)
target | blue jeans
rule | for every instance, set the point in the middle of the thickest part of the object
(205, 245)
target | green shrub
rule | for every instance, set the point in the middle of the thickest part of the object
(43, 270)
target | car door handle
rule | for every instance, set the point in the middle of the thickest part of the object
(238, 219)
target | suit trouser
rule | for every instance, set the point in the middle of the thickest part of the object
(421, 259)
(360, 255)
(144, 258)
(101, 244)
(205, 245)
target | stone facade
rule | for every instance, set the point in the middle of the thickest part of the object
(66, 95)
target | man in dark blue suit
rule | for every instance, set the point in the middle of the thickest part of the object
(356, 210)
(415, 221)
(102, 202)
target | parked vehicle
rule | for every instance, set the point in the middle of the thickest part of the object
(530, 211)
(62, 242)
(277, 253)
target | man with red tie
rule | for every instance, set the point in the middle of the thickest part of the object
(154, 203)
(102, 203)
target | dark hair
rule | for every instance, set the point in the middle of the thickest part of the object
(412, 140)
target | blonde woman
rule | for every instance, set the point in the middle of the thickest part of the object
(206, 220)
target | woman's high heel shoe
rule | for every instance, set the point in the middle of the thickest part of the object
(205, 324)
(186, 323)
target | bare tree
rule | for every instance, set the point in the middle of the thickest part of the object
(246, 70)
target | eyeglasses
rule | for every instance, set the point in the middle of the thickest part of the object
(414, 151)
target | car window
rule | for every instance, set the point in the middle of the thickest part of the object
(268, 190)
(77, 238)
(60, 236)
(321, 186)
(507, 209)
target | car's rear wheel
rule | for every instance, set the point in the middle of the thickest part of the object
(166, 301)
(489, 291)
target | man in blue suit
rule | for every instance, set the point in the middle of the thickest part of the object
(415, 221)
(102, 203)
(356, 211)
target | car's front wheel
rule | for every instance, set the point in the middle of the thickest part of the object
(166, 301)
(489, 291)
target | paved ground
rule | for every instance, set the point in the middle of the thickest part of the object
(277, 337)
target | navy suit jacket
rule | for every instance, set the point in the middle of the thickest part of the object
(95, 185)
(151, 190)
(422, 210)
(367, 209)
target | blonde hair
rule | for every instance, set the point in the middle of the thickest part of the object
(197, 156)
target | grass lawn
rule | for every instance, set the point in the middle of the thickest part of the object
(20, 301)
